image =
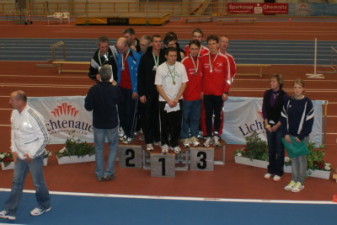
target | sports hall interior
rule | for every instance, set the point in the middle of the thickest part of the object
(37, 23)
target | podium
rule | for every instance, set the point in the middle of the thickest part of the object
(130, 156)
(202, 158)
(162, 165)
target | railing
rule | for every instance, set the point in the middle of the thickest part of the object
(120, 8)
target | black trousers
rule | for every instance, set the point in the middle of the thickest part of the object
(170, 124)
(150, 119)
(213, 106)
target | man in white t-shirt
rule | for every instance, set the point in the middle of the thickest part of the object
(170, 81)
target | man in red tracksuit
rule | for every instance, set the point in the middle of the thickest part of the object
(216, 83)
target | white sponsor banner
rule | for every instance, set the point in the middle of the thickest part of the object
(243, 116)
(64, 117)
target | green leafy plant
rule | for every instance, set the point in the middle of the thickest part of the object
(255, 148)
(315, 158)
(76, 147)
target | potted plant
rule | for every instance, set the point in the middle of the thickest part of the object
(6, 159)
(76, 151)
(317, 166)
(255, 153)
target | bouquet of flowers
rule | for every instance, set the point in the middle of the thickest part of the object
(6, 158)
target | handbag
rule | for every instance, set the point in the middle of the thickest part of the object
(295, 148)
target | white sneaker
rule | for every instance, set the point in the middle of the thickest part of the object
(177, 149)
(127, 140)
(297, 187)
(194, 141)
(120, 132)
(38, 211)
(149, 147)
(276, 178)
(186, 142)
(216, 141)
(164, 149)
(156, 143)
(290, 186)
(4, 214)
(267, 176)
(208, 142)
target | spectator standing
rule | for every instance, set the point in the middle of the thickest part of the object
(273, 100)
(29, 137)
(133, 42)
(297, 121)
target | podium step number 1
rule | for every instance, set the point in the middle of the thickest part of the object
(162, 165)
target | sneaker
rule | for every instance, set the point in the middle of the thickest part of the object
(127, 140)
(109, 177)
(208, 142)
(186, 142)
(194, 141)
(290, 186)
(120, 132)
(4, 214)
(267, 176)
(216, 141)
(156, 143)
(38, 211)
(276, 178)
(164, 149)
(149, 147)
(297, 187)
(177, 149)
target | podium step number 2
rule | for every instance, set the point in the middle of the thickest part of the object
(162, 165)
(130, 156)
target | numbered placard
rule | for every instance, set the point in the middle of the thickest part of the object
(162, 165)
(202, 158)
(130, 156)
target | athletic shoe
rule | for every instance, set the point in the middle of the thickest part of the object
(194, 141)
(120, 132)
(149, 147)
(177, 149)
(208, 142)
(127, 140)
(290, 186)
(164, 149)
(276, 178)
(156, 143)
(109, 177)
(267, 176)
(216, 141)
(4, 214)
(186, 142)
(38, 211)
(297, 187)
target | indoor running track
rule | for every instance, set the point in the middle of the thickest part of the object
(85, 209)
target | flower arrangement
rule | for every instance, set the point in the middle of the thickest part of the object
(315, 158)
(76, 147)
(255, 148)
(6, 158)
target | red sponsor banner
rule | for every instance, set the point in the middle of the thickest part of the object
(258, 8)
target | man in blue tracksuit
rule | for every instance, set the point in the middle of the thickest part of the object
(127, 69)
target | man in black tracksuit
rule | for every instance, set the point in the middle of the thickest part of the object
(148, 93)
(105, 54)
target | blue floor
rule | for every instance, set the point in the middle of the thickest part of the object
(73, 210)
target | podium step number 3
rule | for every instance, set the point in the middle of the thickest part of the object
(162, 165)
(202, 158)
(130, 156)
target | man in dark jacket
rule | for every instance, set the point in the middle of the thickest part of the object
(102, 99)
(105, 54)
(148, 93)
